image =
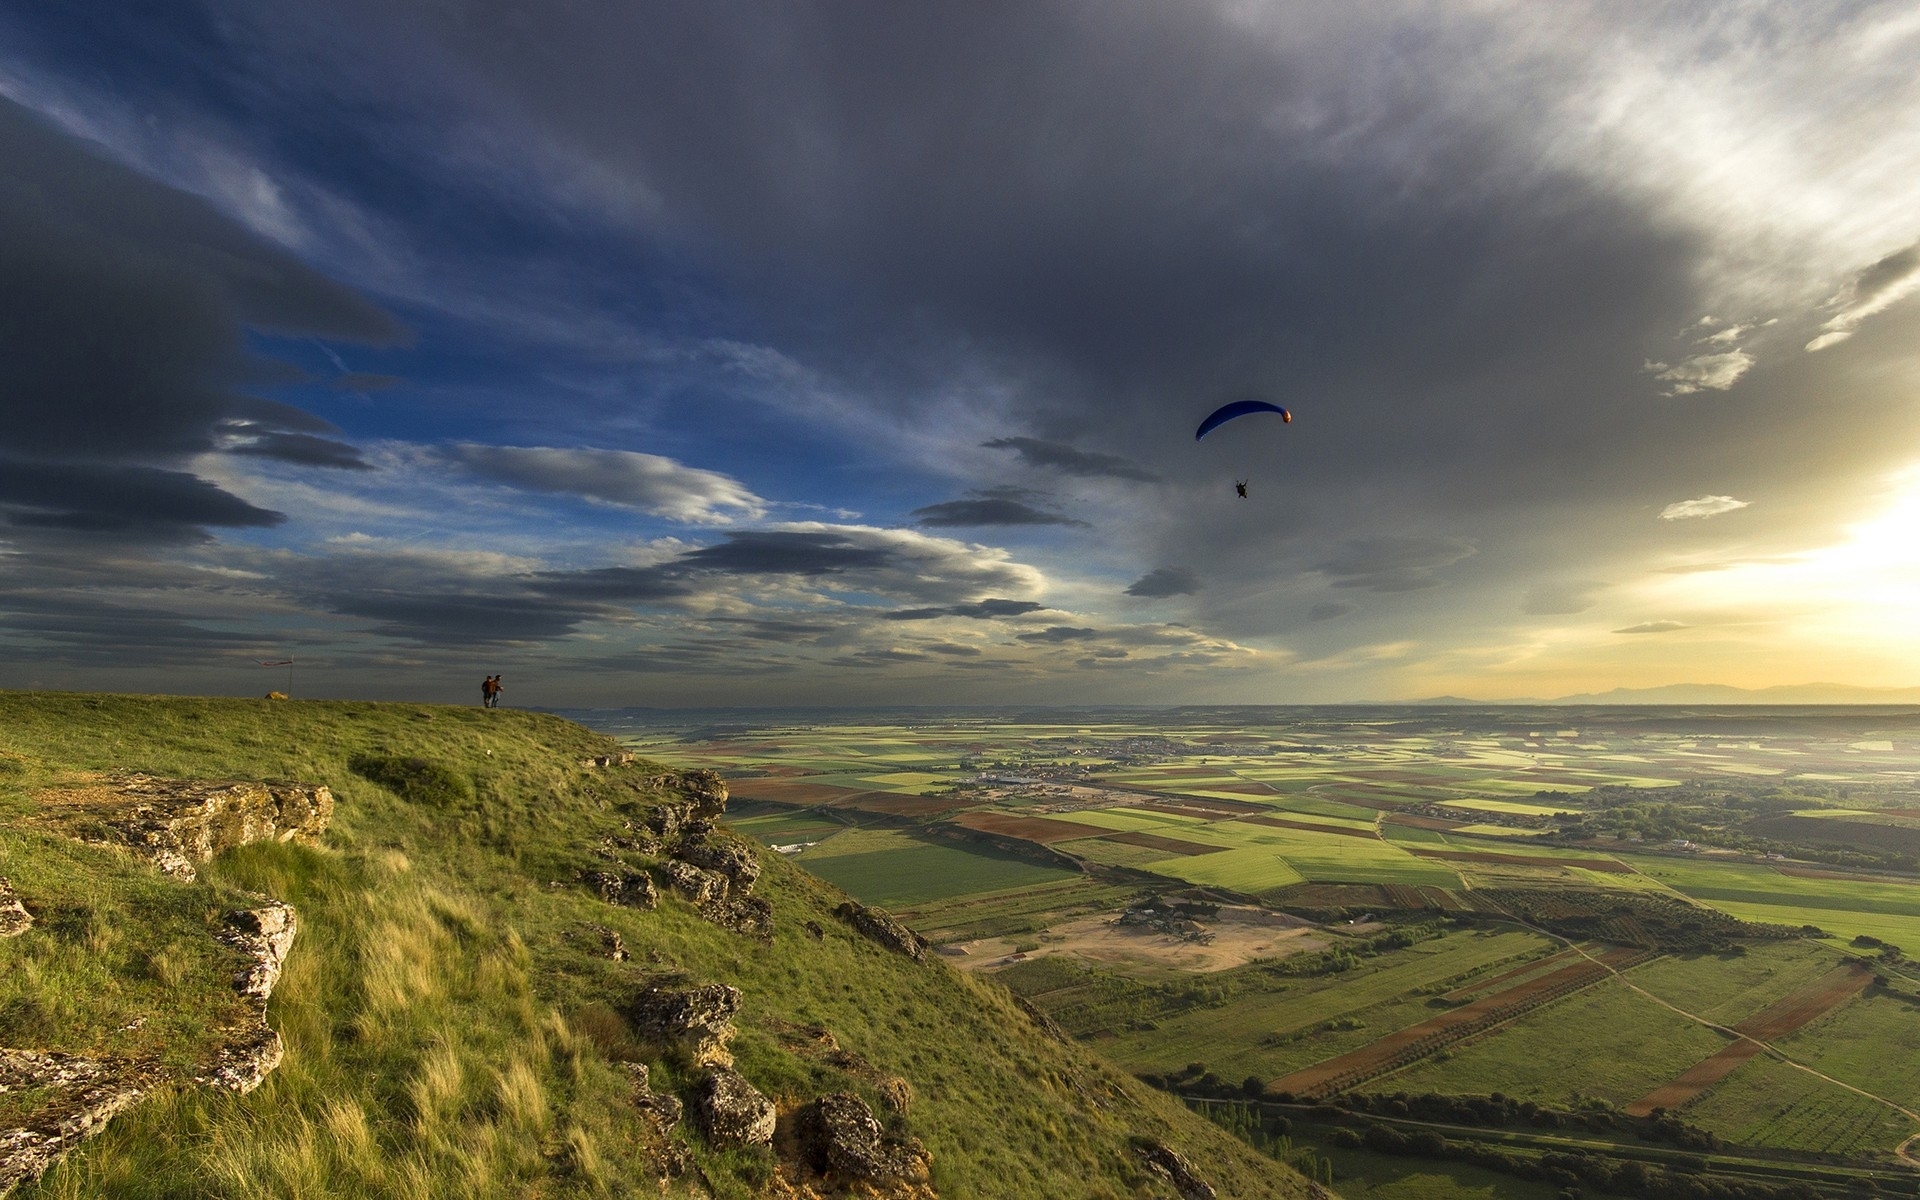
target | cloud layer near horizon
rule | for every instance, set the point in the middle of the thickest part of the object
(669, 343)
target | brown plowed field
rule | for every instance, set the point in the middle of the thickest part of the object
(1154, 841)
(893, 804)
(1415, 1042)
(1777, 1020)
(792, 791)
(1342, 830)
(1505, 976)
(1028, 829)
(1523, 860)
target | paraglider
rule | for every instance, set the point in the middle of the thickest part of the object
(1239, 408)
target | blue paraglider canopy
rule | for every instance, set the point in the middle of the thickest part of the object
(1239, 408)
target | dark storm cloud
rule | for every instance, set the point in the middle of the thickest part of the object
(1165, 581)
(85, 496)
(121, 338)
(1327, 612)
(982, 610)
(1393, 563)
(303, 448)
(788, 552)
(458, 619)
(1056, 634)
(87, 629)
(1058, 456)
(992, 506)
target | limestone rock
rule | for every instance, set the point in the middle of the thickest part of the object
(843, 1138)
(732, 1112)
(244, 1063)
(660, 1113)
(897, 1094)
(695, 1022)
(76, 1097)
(176, 823)
(618, 758)
(727, 857)
(632, 889)
(1170, 1165)
(264, 935)
(879, 926)
(749, 916)
(14, 917)
(695, 884)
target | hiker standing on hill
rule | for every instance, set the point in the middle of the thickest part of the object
(489, 691)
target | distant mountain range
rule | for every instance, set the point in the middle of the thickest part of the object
(1716, 693)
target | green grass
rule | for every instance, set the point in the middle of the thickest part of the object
(447, 1034)
(1363, 1175)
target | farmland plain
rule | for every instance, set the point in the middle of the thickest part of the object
(1602, 894)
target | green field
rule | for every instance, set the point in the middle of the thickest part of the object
(1513, 783)
(1771, 1104)
(1250, 1032)
(1844, 907)
(891, 869)
(1605, 1041)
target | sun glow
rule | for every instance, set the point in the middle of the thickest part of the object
(1855, 600)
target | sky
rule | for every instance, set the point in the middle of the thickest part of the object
(812, 353)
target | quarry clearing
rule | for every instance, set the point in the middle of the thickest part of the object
(1239, 935)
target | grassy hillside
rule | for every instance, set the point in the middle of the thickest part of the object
(452, 1025)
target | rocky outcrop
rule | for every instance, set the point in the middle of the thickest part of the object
(732, 1112)
(630, 889)
(618, 758)
(896, 1094)
(749, 916)
(845, 1141)
(1171, 1166)
(177, 823)
(694, 1023)
(263, 935)
(725, 856)
(72, 1099)
(879, 926)
(693, 884)
(660, 1114)
(243, 1063)
(14, 917)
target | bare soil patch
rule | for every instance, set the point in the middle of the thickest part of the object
(1154, 841)
(1777, 1020)
(1028, 829)
(1240, 935)
(893, 804)
(791, 791)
